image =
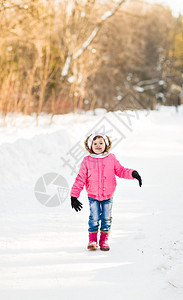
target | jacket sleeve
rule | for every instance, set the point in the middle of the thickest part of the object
(80, 180)
(121, 171)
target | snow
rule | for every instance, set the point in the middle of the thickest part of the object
(70, 8)
(71, 79)
(138, 89)
(86, 43)
(43, 251)
(106, 15)
(67, 65)
(83, 14)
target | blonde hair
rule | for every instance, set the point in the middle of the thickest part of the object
(107, 148)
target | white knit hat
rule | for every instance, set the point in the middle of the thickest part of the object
(90, 140)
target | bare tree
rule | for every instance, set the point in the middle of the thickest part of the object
(68, 55)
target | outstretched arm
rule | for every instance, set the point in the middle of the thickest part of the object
(78, 186)
(123, 172)
(80, 180)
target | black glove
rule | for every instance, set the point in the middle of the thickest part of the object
(76, 204)
(136, 175)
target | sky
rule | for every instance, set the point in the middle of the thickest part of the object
(175, 5)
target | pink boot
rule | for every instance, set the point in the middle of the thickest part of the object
(92, 245)
(103, 241)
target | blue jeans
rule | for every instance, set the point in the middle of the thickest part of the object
(100, 211)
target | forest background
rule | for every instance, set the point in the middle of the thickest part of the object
(72, 56)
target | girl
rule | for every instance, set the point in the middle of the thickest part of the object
(97, 172)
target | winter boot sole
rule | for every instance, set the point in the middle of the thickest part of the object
(104, 249)
(92, 247)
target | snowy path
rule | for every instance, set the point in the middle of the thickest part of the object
(43, 251)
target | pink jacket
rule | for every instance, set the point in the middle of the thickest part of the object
(98, 175)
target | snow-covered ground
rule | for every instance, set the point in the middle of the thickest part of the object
(43, 251)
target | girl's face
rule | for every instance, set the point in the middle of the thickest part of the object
(98, 145)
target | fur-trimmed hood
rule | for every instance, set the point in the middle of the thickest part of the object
(107, 147)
